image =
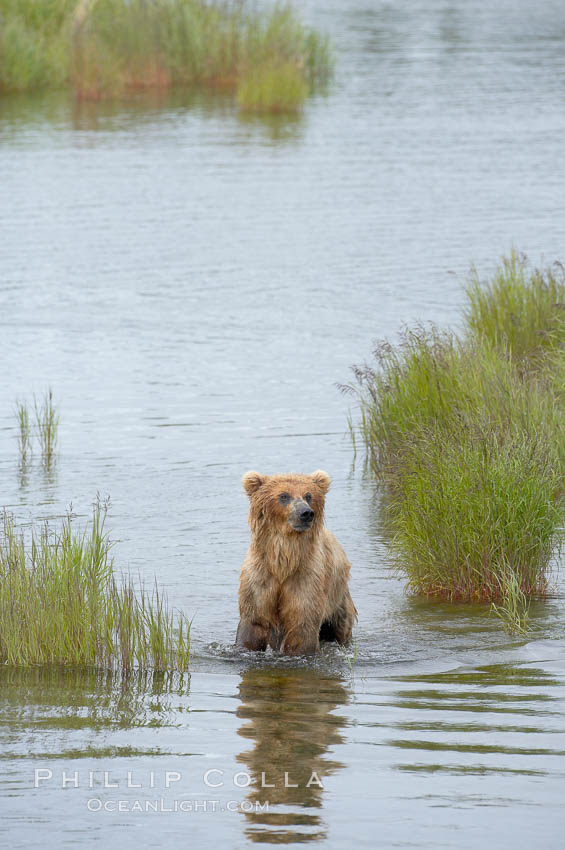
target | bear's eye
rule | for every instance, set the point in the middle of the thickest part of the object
(308, 498)
(284, 498)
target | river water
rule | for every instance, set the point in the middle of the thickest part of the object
(193, 283)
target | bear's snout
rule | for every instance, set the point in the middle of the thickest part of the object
(301, 516)
(306, 514)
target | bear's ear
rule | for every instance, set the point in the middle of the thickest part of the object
(252, 481)
(322, 479)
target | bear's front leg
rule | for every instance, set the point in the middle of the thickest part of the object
(251, 636)
(300, 615)
(255, 609)
(300, 641)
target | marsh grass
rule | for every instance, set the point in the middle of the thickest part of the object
(24, 432)
(521, 311)
(47, 425)
(477, 517)
(433, 380)
(60, 603)
(515, 608)
(466, 435)
(45, 429)
(34, 47)
(272, 88)
(111, 48)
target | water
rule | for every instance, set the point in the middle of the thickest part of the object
(193, 284)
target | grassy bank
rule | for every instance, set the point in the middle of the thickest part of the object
(110, 48)
(466, 435)
(60, 603)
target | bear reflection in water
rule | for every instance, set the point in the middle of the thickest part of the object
(291, 723)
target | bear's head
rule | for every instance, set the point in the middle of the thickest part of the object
(287, 504)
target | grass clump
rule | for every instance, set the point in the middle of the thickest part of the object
(466, 435)
(521, 312)
(60, 603)
(433, 380)
(273, 88)
(34, 47)
(46, 429)
(110, 48)
(24, 432)
(476, 514)
(47, 422)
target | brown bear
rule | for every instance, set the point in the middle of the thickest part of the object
(293, 589)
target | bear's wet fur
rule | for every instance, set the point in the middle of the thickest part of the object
(293, 590)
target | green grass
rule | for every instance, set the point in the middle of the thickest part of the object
(515, 608)
(521, 312)
(435, 380)
(111, 48)
(276, 88)
(473, 514)
(34, 44)
(47, 425)
(60, 603)
(45, 429)
(466, 435)
(24, 432)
